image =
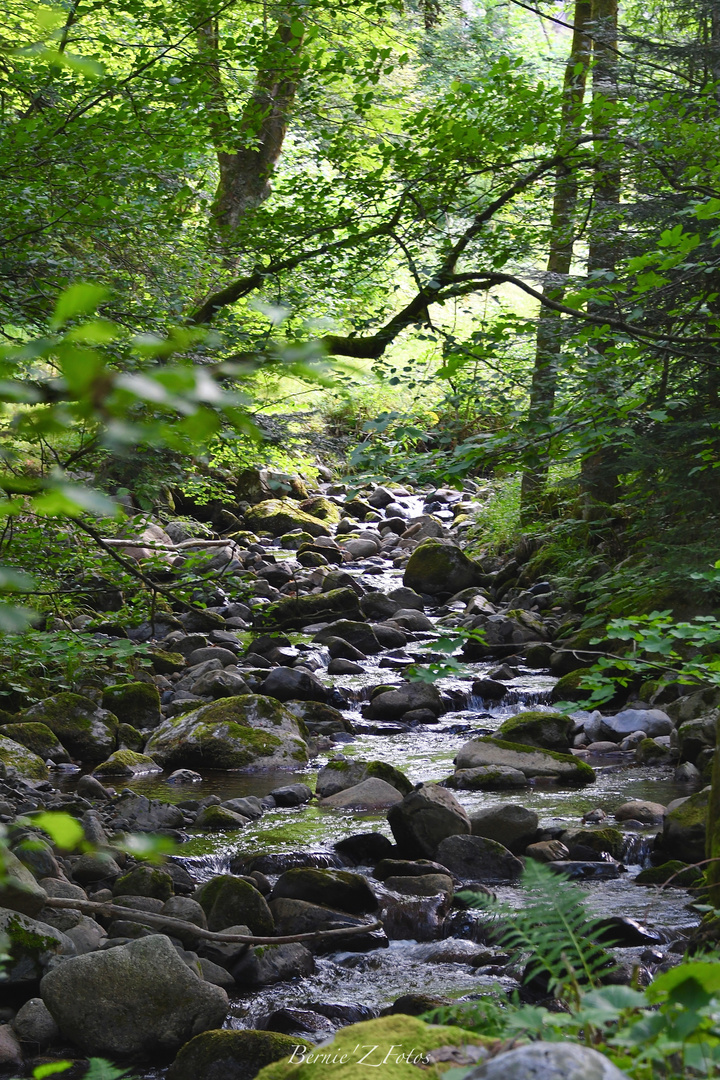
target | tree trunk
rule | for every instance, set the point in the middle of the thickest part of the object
(246, 172)
(549, 331)
(598, 475)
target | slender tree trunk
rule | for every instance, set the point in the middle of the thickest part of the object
(549, 331)
(258, 136)
(598, 475)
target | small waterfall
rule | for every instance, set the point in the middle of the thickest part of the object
(204, 867)
(636, 849)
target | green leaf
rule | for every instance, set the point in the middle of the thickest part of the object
(65, 831)
(78, 300)
(51, 1068)
(670, 984)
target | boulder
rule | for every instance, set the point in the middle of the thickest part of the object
(234, 733)
(230, 901)
(426, 817)
(549, 1060)
(339, 889)
(475, 858)
(137, 813)
(278, 516)
(34, 1025)
(649, 813)
(265, 965)
(438, 567)
(487, 778)
(530, 760)
(342, 773)
(285, 684)
(548, 730)
(19, 762)
(301, 917)
(19, 890)
(371, 794)
(127, 763)
(393, 704)
(148, 881)
(37, 738)
(136, 703)
(509, 824)
(231, 1055)
(257, 484)
(684, 828)
(300, 611)
(85, 730)
(358, 634)
(653, 722)
(423, 885)
(135, 999)
(31, 945)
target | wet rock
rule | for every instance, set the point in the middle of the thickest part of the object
(649, 813)
(358, 634)
(416, 918)
(475, 858)
(229, 901)
(127, 763)
(548, 730)
(687, 773)
(364, 849)
(487, 778)
(608, 840)
(414, 1005)
(11, 1056)
(672, 873)
(89, 787)
(136, 813)
(292, 795)
(578, 870)
(278, 516)
(19, 890)
(249, 807)
(393, 704)
(39, 739)
(620, 931)
(344, 667)
(16, 761)
(95, 866)
(148, 881)
(278, 863)
(377, 605)
(371, 794)
(511, 825)
(300, 611)
(415, 621)
(439, 567)
(532, 761)
(389, 867)
(230, 734)
(139, 998)
(35, 1026)
(547, 851)
(423, 885)
(654, 752)
(407, 598)
(424, 818)
(268, 964)
(230, 1055)
(693, 737)
(338, 889)
(551, 1061)
(489, 689)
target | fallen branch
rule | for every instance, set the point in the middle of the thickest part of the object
(117, 911)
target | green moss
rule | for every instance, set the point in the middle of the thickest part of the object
(546, 730)
(400, 1032)
(280, 516)
(315, 607)
(126, 763)
(234, 1055)
(24, 939)
(294, 541)
(129, 738)
(165, 663)
(149, 881)
(382, 771)
(584, 770)
(320, 507)
(230, 901)
(683, 876)
(36, 737)
(608, 840)
(19, 761)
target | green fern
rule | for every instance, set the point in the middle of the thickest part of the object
(553, 932)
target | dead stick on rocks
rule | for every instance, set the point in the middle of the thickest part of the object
(111, 911)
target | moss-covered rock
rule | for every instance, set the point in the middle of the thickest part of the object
(233, 733)
(487, 778)
(231, 901)
(231, 1055)
(256, 484)
(314, 713)
(568, 688)
(278, 516)
(295, 540)
(529, 760)
(339, 889)
(87, 731)
(150, 881)
(340, 774)
(38, 738)
(18, 761)
(438, 566)
(129, 738)
(607, 840)
(219, 819)
(550, 731)
(127, 763)
(675, 872)
(396, 1045)
(320, 507)
(165, 663)
(652, 752)
(295, 612)
(135, 703)
(684, 828)
(31, 945)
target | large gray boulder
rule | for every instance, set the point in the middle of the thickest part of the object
(31, 945)
(530, 760)
(342, 773)
(438, 566)
(286, 684)
(371, 794)
(233, 733)
(393, 704)
(475, 858)
(509, 824)
(425, 818)
(136, 999)
(548, 1061)
(653, 722)
(85, 730)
